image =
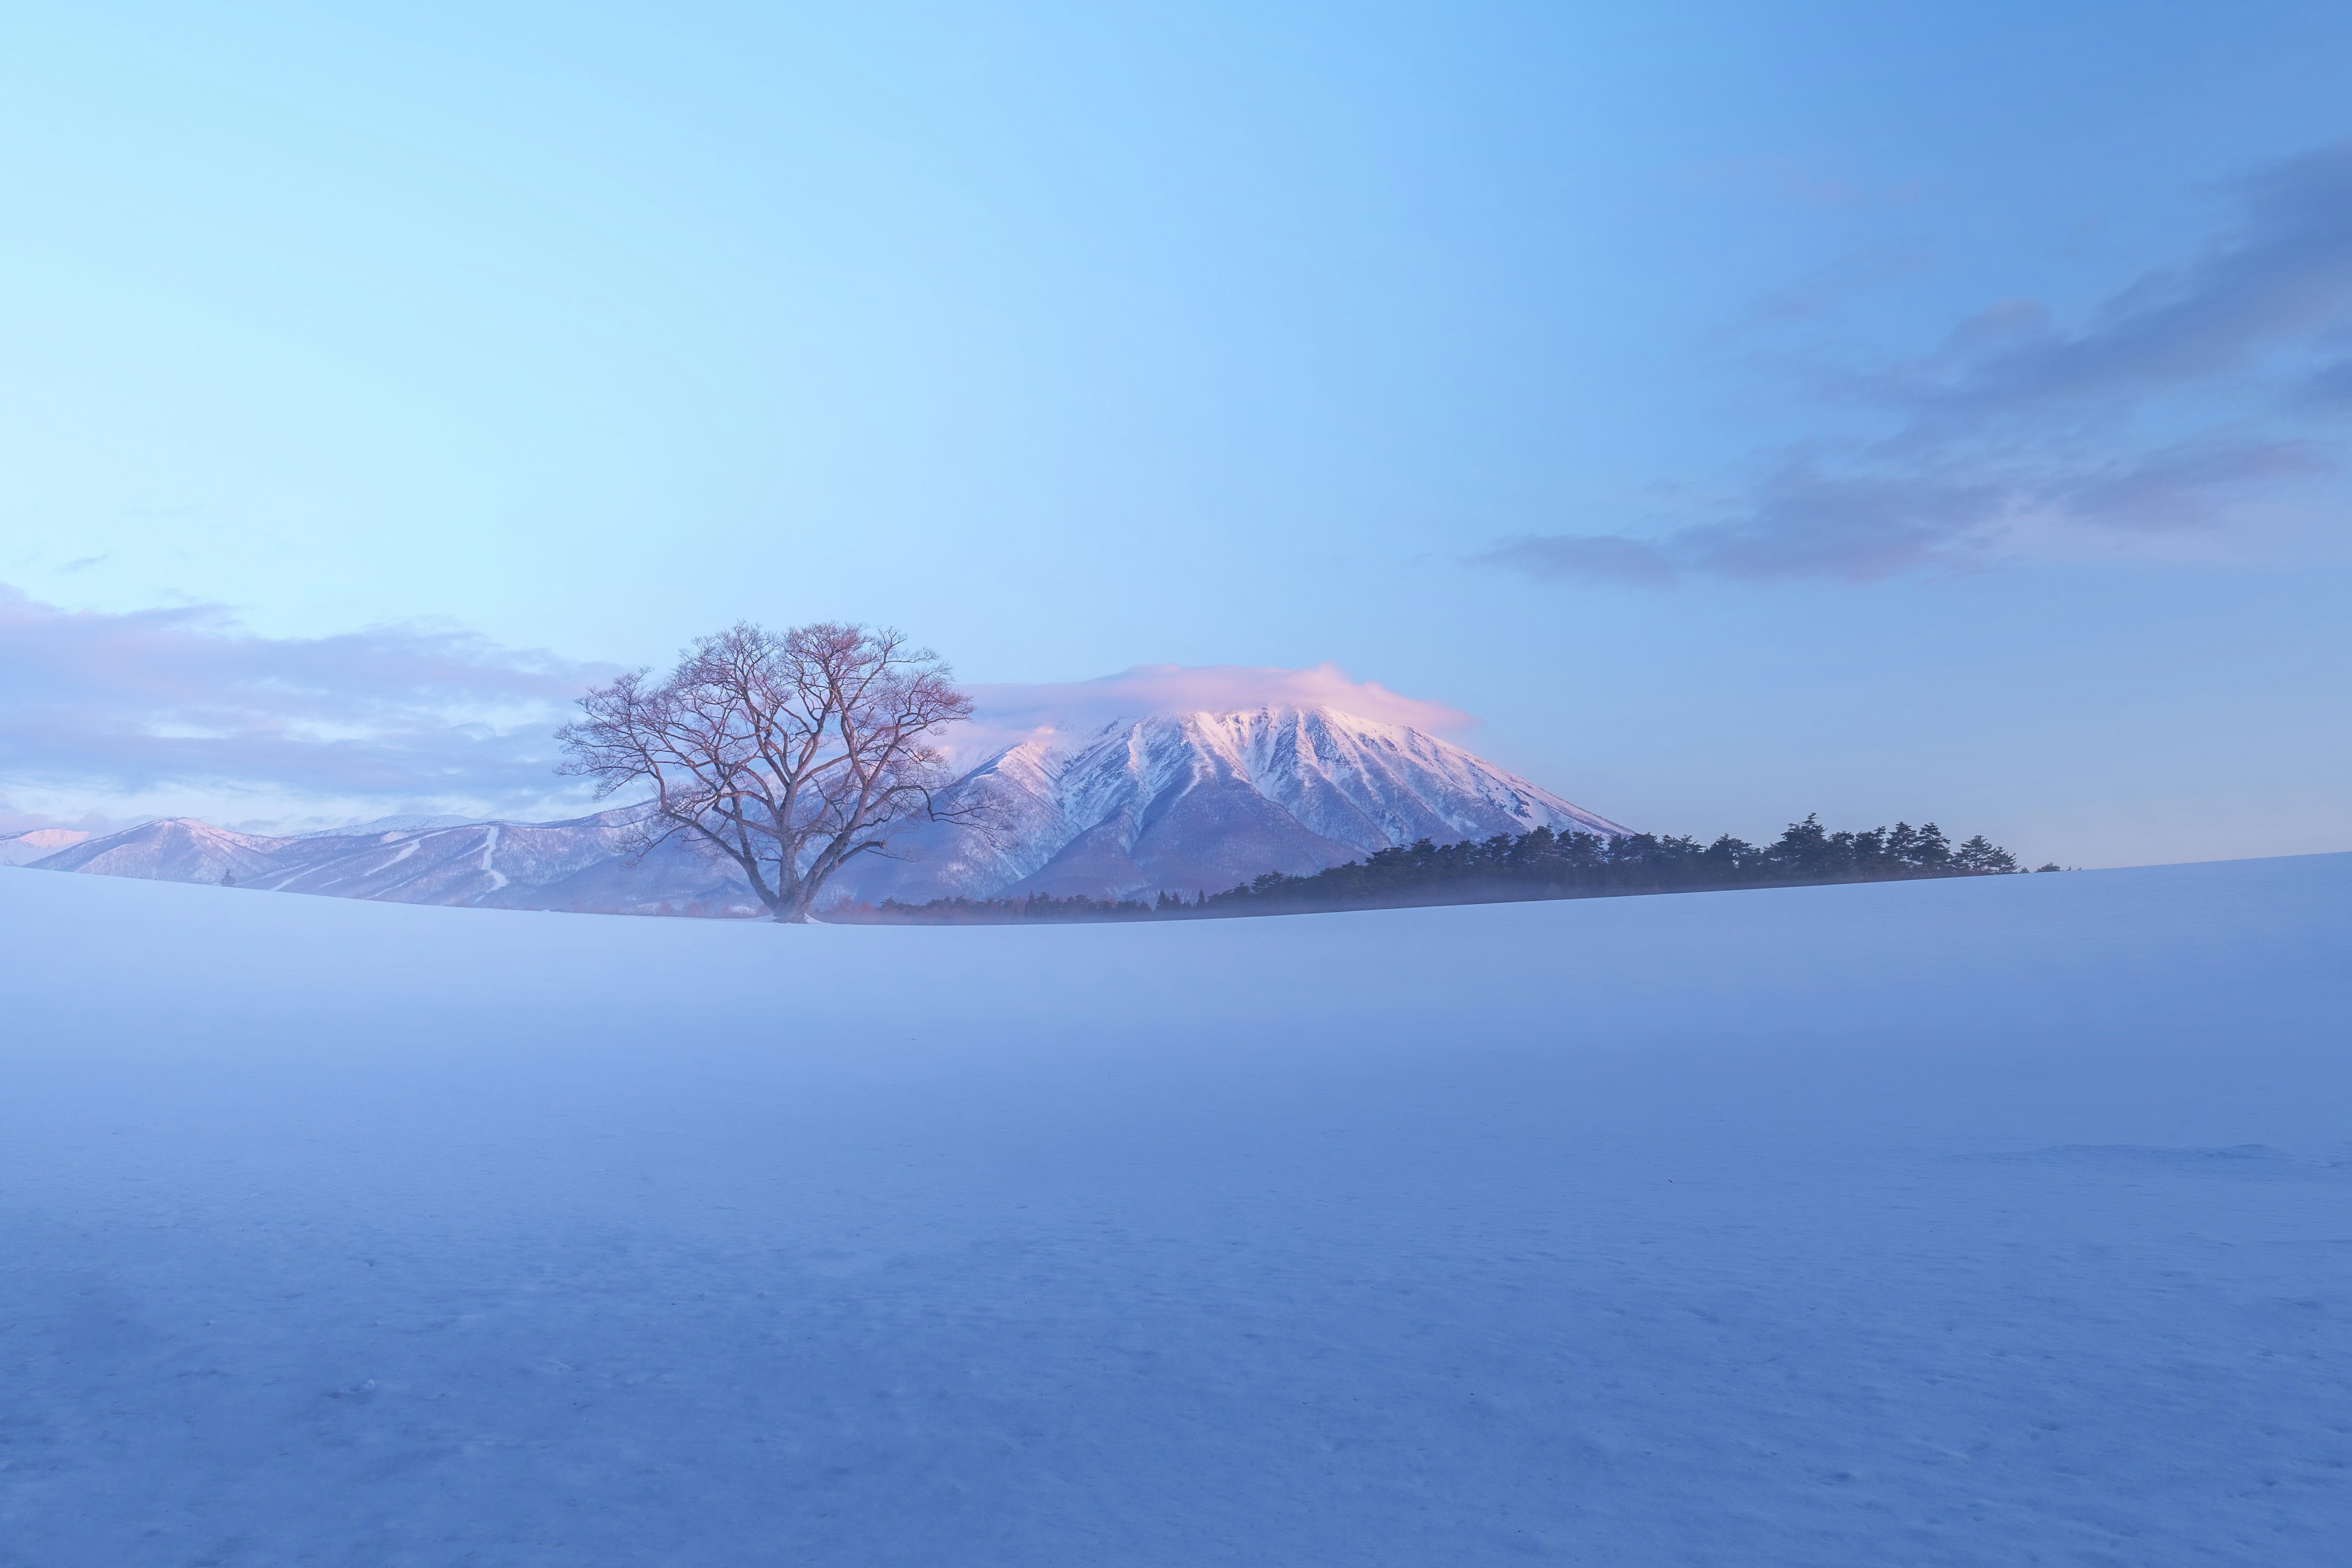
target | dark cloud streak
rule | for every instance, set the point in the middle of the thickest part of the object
(2287, 273)
(2015, 429)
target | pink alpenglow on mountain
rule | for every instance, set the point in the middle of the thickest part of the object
(1200, 802)
(1183, 802)
(37, 843)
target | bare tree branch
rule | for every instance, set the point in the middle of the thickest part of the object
(790, 754)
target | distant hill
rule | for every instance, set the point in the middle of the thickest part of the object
(581, 864)
(37, 843)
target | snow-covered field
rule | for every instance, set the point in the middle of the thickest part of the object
(2000, 1222)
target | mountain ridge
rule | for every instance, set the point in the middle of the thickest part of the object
(1179, 802)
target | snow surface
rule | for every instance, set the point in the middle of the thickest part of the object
(1992, 1221)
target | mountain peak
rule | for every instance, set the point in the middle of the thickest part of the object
(1201, 800)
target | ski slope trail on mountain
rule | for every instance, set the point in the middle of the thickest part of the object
(1987, 1221)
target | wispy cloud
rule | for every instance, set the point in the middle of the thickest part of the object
(2017, 434)
(185, 704)
(2188, 484)
(2286, 273)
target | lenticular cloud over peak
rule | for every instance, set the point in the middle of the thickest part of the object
(1007, 712)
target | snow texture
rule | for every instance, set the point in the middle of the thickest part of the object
(1991, 1221)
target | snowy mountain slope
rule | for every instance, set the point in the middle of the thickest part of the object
(175, 849)
(1193, 801)
(581, 864)
(403, 824)
(1198, 802)
(37, 843)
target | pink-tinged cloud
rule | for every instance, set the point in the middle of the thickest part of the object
(1007, 713)
(167, 700)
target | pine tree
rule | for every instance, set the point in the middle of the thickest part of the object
(1931, 852)
(1980, 856)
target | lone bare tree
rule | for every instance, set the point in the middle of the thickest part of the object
(790, 753)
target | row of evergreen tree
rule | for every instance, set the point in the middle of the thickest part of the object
(1538, 865)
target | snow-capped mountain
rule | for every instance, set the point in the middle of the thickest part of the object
(1195, 802)
(1186, 803)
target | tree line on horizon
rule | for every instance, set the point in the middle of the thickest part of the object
(1506, 868)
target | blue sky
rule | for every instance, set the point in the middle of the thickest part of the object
(1927, 412)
